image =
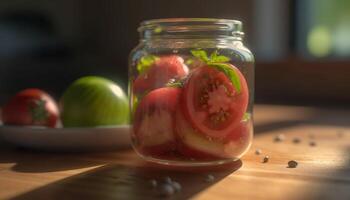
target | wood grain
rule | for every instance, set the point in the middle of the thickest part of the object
(323, 171)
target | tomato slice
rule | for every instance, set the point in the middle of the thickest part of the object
(159, 74)
(193, 144)
(211, 102)
(154, 121)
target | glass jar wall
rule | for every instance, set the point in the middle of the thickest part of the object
(191, 90)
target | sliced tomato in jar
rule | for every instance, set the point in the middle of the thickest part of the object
(195, 145)
(212, 103)
(160, 73)
(154, 121)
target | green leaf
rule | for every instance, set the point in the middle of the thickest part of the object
(230, 73)
(215, 57)
(201, 54)
(176, 83)
(145, 63)
(246, 117)
(189, 61)
(38, 111)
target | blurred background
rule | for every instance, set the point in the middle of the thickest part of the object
(302, 47)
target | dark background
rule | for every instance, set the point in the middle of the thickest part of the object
(49, 43)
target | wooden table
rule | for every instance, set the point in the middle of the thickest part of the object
(323, 171)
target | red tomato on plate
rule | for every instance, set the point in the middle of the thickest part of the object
(31, 107)
(154, 121)
(211, 103)
(159, 74)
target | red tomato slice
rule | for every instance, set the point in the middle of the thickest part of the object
(211, 102)
(159, 74)
(31, 107)
(154, 121)
(194, 144)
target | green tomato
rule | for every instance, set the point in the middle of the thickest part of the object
(94, 101)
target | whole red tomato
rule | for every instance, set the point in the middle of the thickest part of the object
(160, 73)
(31, 107)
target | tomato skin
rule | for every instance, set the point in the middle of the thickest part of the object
(19, 109)
(154, 122)
(195, 145)
(164, 69)
(202, 79)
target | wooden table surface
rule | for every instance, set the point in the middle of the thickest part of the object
(323, 171)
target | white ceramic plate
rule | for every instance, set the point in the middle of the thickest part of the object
(68, 139)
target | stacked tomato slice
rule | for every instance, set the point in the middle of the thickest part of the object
(201, 119)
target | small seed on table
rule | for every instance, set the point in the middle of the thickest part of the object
(266, 159)
(279, 138)
(292, 164)
(166, 190)
(209, 178)
(312, 143)
(177, 187)
(296, 140)
(258, 151)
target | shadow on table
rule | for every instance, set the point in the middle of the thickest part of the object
(130, 182)
(25, 160)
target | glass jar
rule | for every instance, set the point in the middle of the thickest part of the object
(191, 90)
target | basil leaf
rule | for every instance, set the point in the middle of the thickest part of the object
(246, 117)
(175, 85)
(145, 63)
(201, 54)
(215, 57)
(189, 61)
(230, 73)
(179, 83)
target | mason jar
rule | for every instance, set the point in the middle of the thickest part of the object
(191, 90)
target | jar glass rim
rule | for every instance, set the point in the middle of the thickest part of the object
(179, 20)
(168, 27)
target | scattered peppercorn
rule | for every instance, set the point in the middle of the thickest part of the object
(266, 159)
(166, 190)
(209, 178)
(296, 140)
(279, 138)
(258, 151)
(177, 187)
(312, 143)
(292, 164)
